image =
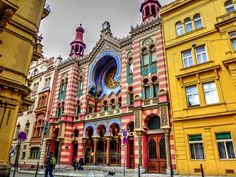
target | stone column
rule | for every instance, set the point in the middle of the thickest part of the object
(168, 155)
(117, 147)
(59, 151)
(95, 140)
(104, 150)
(139, 134)
(84, 139)
(108, 138)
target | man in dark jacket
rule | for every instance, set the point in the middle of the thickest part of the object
(49, 165)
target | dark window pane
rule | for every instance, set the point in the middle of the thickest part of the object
(152, 149)
(154, 123)
(230, 149)
(162, 148)
(192, 151)
(221, 149)
(221, 136)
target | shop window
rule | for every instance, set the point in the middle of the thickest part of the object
(210, 92)
(196, 146)
(152, 149)
(201, 54)
(192, 96)
(225, 146)
(232, 36)
(187, 58)
(179, 28)
(197, 21)
(229, 6)
(188, 25)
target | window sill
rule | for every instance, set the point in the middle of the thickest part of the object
(194, 160)
(196, 65)
(190, 32)
(233, 159)
(203, 106)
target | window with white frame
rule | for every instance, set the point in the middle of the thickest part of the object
(47, 82)
(145, 60)
(196, 147)
(35, 87)
(229, 6)
(146, 92)
(188, 25)
(197, 21)
(232, 36)
(153, 56)
(201, 54)
(187, 58)
(210, 92)
(192, 96)
(225, 145)
(179, 28)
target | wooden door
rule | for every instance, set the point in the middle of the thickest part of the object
(131, 153)
(156, 154)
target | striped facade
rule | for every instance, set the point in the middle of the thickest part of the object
(111, 107)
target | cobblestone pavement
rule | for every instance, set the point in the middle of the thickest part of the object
(89, 173)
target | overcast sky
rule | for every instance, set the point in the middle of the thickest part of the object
(58, 28)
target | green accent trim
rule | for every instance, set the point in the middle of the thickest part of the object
(221, 136)
(195, 137)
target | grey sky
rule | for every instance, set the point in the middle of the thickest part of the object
(58, 28)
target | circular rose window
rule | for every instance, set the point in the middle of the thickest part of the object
(109, 79)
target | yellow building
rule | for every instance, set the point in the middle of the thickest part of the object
(200, 42)
(19, 44)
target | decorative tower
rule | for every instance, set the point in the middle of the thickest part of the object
(77, 45)
(150, 9)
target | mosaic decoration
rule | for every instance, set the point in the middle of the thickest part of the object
(104, 74)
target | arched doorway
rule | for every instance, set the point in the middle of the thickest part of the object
(115, 144)
(101, 145)
(130, 145)
(89, 146)
(155, 145)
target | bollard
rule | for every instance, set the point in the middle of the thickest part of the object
(138, 170)
(202, 172)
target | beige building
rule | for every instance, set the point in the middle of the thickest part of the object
(41, 74)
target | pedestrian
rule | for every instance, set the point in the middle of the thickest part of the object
(81, 163)
(49, 164)
(75, 163)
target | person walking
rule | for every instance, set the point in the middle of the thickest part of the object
(49, 164)
(81, 163)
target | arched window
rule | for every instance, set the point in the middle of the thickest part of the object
(229, 6)
(155, 87)
(146, 89)
(188, 25)
(153, 55)
(147, 11)
(154, 123)
(197, 21)
(130, 65)
(179, 28)
(152, 149)
(153, 10)
(162, 148)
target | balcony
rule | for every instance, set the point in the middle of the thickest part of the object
(103, 114)
(224, 19)
(150, 69)
(151, 101)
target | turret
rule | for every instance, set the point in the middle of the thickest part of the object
(150, 9)
(77, 45)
